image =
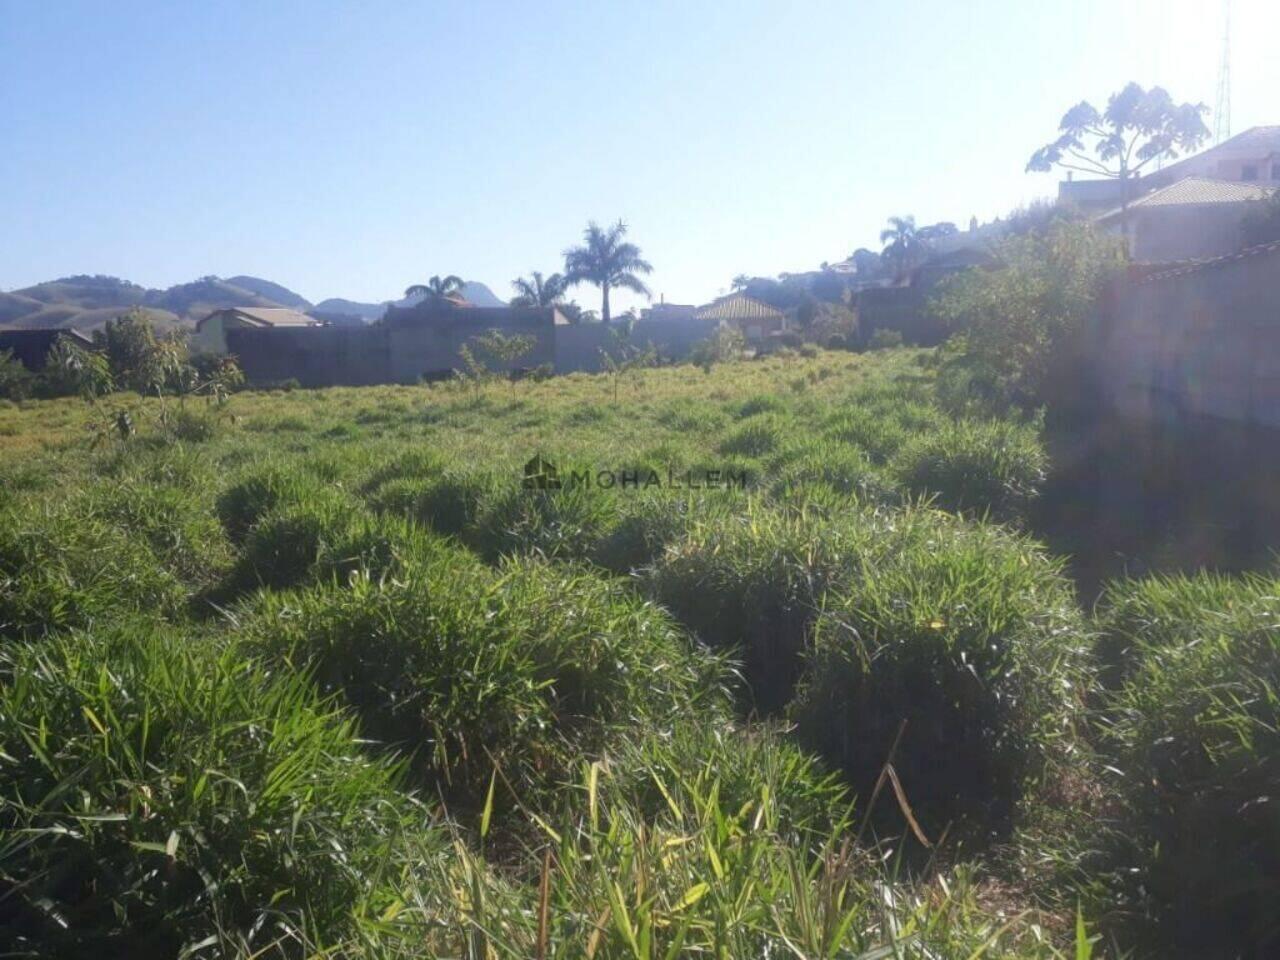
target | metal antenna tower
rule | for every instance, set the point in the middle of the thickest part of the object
(1222, 112)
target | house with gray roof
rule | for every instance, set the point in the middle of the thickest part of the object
(1194, 218)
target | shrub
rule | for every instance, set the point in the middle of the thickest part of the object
(975, 466)
(162, 794)
(528, 668)
(970, 636)
(1194, 726)
(883, 339)
(1025, 326)
(16, 381)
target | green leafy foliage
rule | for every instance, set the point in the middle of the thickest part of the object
(1025, 324)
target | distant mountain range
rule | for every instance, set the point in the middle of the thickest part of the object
(87, 302)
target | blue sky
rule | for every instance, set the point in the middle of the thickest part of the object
(351, 149)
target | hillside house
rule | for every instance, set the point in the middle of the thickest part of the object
(1192, 219)
(1249, 157)
(211, 332)
(31, 348)
(755, 318)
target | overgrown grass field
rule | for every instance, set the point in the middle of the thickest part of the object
(314, 673)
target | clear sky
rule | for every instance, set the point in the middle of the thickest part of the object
(351, 149)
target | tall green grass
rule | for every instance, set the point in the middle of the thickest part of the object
(1192, 728)
(160, 794)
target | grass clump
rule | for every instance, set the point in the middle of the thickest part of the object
(61, 568)
(1194, 727)
(527, 668)
(759, 436)
(751, 583)
(970, 637)
(161, 794)
(252, 497)
(977, 467)
(448, 502)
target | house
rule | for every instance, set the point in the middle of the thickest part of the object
(1191, 219)
(31, 348)
(755, 318)
(1249, 157)
(211, 332)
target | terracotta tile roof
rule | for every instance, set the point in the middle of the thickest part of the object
(1197, 191)
(738, 306)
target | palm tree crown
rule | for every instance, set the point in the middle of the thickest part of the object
(608, 261)
(538, 291)
(436, 288)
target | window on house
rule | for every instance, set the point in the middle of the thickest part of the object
(1249, 172)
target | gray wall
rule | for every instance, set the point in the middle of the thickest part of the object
(1202, 342)
(383, 353)
(1164, 234)
(578, 346)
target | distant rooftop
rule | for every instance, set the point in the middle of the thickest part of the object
(738, 306)
(1197, 191)
(276, 316)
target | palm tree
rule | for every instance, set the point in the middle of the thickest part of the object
(538, 291)
(902, 243)
(436, 289)
(607, 261)
(740, 282)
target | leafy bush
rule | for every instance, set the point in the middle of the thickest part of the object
(1194, 726)
(16, 381)
(1025, 324)
(528, 668)
(163, 795)
(968, 635)
(975, 466)
(884, 339)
